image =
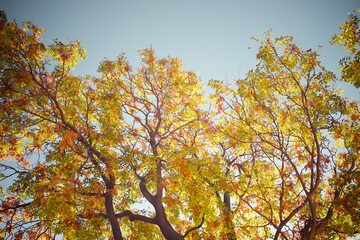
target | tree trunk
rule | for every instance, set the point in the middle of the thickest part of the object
(166, 228)
(230, 228)
(110, 212)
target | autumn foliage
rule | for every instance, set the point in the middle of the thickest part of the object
(146, 152)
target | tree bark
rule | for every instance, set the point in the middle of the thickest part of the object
(230, 229)
(166, 228)
(110, 212)
(160, 219)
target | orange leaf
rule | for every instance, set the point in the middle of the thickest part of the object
(69, 138)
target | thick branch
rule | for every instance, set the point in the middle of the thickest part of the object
(135, 217)
(196, 227)
(6, 208)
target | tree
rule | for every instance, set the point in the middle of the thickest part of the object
(296, 129)
(103, 143)
(276, 156)
(349, 38)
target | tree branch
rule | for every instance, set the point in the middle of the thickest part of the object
(6, 208)
(196, 227)
(136, 217)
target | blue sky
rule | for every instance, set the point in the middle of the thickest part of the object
(211, 37)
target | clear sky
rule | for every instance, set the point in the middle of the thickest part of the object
(211, 37)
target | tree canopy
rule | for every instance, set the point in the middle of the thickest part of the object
(145, 152)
